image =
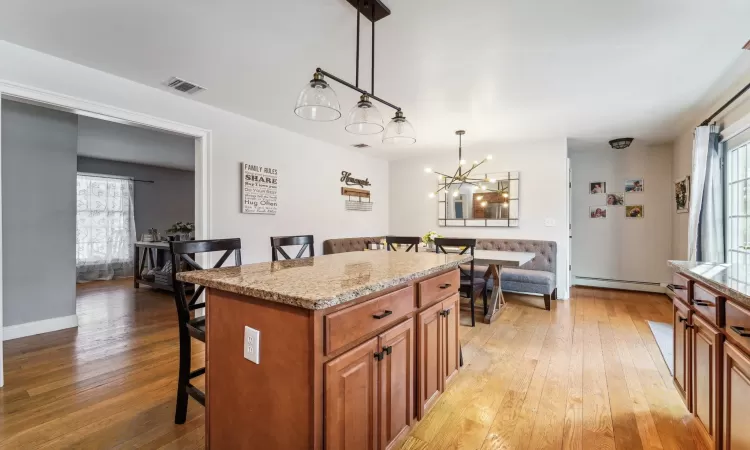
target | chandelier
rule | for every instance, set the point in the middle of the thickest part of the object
(452, 184)
(318, 102)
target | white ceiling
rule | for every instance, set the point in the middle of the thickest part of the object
(504, 70)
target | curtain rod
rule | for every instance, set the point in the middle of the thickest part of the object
(720, 110)
(114, 176)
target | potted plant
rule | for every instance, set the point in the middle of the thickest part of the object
(429, 239)
(184, 230)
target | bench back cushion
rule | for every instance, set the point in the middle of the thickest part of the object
(546, 251)
(345, 245)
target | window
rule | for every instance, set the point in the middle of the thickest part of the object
(737, 225)
(105, 227)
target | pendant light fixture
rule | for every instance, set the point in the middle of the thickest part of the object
(461, 177)
(318, 101)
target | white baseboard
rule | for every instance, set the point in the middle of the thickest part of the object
(624, 285)
(39, 327)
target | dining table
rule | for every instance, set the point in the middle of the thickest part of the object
(495, 260)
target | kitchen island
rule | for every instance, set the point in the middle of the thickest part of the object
(353, 347)
(711, 307)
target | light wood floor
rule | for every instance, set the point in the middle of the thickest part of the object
(586, 375)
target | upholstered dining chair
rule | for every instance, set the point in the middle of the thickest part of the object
(412, 242)
(183, 255)
(470, 284)
(279, 242)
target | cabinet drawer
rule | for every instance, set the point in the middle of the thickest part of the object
(350, 324)
(438, 288)
(738, 325)
(707, 304)
(680, 287)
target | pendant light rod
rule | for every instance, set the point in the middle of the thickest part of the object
(372, 76)
(351, 86)
(356, 77)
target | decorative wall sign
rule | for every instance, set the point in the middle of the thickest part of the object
(346, 177)
(259, 189)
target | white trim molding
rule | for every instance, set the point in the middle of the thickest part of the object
(39, 327)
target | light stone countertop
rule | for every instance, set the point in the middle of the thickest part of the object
(324, 281)
(732, 280)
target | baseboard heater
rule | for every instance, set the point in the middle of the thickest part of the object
(619, 284)
(612, 280)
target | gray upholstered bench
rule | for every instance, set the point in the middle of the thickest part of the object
(345, 245)
(535, 277)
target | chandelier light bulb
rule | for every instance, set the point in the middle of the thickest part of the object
(427, 170)
(505, 194)
(492, 180)
(479, 197)
(481, 187)
(462, 162)
(431, 195)
(489, 157)
(455, 193)
(484, 204)
(476, 162)
(505, 205)
(440, 178)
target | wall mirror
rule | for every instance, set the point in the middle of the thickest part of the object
(492, 203)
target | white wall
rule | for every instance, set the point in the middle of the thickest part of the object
(618, 248)
(543, 193)
(309, 170)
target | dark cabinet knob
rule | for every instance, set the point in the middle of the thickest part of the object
(445, 286)
(742, 331)
(704, 303)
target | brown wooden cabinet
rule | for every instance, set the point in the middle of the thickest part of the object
(430, 371)
(450, 338)
(736, 398)
(396, 383)
(682, 351)
(352, 398)
(705, 376)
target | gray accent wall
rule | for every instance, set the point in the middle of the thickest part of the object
(39, 213)
(169, 199)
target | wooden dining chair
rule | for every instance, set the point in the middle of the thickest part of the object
(412, 242)
(183, 256)
(470, 284)
(278, 242)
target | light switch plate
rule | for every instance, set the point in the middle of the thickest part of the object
(549, 222)
(252, 345)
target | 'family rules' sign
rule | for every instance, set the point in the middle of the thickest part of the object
(259, 189)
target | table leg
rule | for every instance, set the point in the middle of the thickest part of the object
(497, 301)
(136, 268)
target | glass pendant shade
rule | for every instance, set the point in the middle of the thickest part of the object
(318, 101)
(399, 131)
(364, 118)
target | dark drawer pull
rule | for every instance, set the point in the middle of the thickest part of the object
(385, 313)
(445, 286)
(704, 303)
(675, 287)
(742, 331)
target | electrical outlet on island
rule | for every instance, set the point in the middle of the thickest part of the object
(252, 345)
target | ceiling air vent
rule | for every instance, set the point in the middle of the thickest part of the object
(183, 86)
(360, 145)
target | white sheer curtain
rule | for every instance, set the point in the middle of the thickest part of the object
(706, 217)
(105, 228)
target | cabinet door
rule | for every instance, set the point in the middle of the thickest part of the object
(396, 383)
(351, 399)
(706, 376)
(736, 398)
(450, 338)
(682, 351)
(429, 364)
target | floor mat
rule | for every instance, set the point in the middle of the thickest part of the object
(663, 333)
